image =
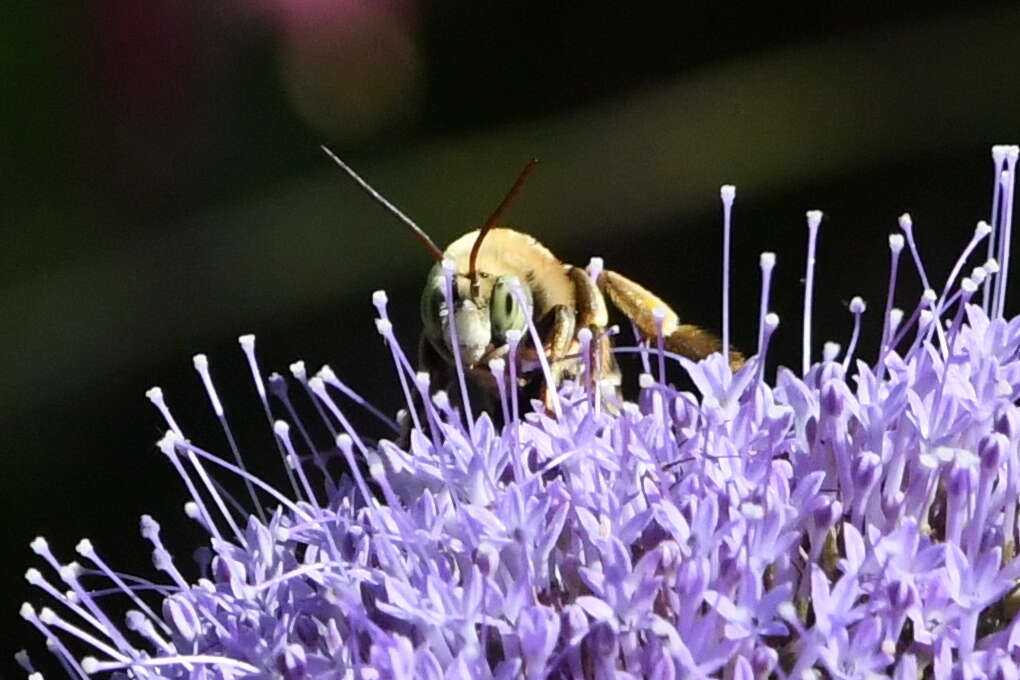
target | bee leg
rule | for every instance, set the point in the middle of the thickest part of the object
(558, 343)
(593, 315)
(638, 303)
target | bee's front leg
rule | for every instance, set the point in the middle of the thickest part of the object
(558, 344)
(593, 315)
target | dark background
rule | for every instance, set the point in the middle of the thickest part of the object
(164, 193)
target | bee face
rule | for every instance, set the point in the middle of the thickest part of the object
(482, 312)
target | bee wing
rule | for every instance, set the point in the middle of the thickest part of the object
(638, 303)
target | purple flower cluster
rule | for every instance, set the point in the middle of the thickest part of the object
(854, 521)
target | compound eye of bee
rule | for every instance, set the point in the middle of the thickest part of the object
(432, 307)
(505, 312)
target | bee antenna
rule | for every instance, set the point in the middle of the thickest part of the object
(497, 213)
(433, 249)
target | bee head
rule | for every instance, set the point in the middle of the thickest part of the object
(483, 309)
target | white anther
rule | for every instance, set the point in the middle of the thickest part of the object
(895, 317)
(168, 442)
(441, 399)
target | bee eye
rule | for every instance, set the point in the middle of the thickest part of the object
(504, 311)
(431, 307)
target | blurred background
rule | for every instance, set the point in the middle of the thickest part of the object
(165, 193)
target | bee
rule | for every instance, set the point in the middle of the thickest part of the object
(502, 280)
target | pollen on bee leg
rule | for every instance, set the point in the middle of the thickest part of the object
(595, 267)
